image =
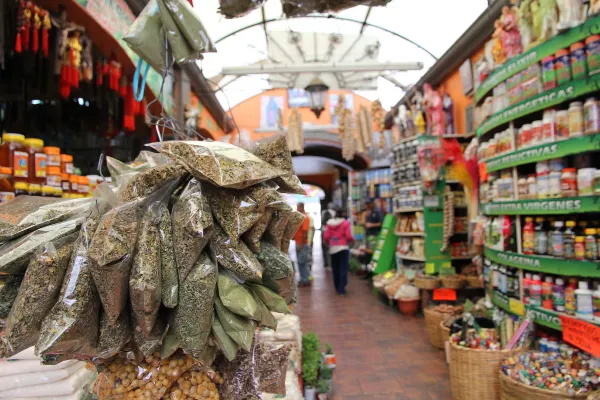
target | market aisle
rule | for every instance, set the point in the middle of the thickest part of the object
(381, 355)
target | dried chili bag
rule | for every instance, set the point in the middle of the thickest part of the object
(168, 264)
(113, 337)
(71, 327)
(237, 298)
(271, 299)
(226, 344)
(145, 279)
(192, 227)
(192, 316)
(237, 259)
(253, 235)
(272, 362)
(240, 329)
(275, 151)
(222, 164)
(37, 295)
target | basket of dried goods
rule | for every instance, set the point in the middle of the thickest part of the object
(453, 281)
(427, 282)
(474, 281)
(548, 376)
(391, 288)
(434, 316)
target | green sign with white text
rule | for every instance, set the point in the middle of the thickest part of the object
(535, 55)
(558, 206)
(540, 102)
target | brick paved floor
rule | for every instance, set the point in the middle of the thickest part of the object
(381, 355)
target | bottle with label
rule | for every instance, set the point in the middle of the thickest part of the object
(535, 291)
(557, 240)
(527, 287)
(570, 301)
(66, 164)
(569, 240)
(541, 238)
(591, 116)
(495, 277)
(528, 236)
(11, 142)
(37, 160)
(53, 156)
(585, 308)
(502, 282)
(576, 119)
(580, 248)
(596, 302)
(558, 295)
(591, 245)
(547, 288)
(510, 278)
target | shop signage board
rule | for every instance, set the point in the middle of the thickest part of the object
(535, 55)
(581, 334)
(549, 98)
(558, 206)
(543, 152)
(544, 264)
(384, 256)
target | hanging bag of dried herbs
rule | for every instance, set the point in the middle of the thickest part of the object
(276, 152)
(237, 259)
(168, 265)
(221, 164)
(192, 223)
(266, 317)
(236, 297)
(28, 213)
(148, 345)
(271, 365)
(9, 288)
(192, 317)
(226, 344)
(234, 210)
(294, 223)
(145, 279)
(253, 235)
(113, 338)
(278, 271)
(240, 329)
(37, 295)
(240, 379)
(138, 185)
(15, 255)
(71, 327)
(276, 227)
(272, 300)
(237, 8)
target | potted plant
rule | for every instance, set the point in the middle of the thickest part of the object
(323, 390)
(329, 358)
(310, 370)
(326, 375)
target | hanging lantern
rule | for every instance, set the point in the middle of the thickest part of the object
(317, 95)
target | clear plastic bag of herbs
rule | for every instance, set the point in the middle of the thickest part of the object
(228, 347)
(113, 337)
(9, 288)
(221, 164)
(28, 213)
(240, 378)
(240, 329)
(272, 300)
(253, 235)
(168, 263)
(299, 8)
(235, 258)
(236, 297)
(294, 223)
(37, 295)
(138, 185)
(192, 223)
(278, 271)
(277, 225)
(271, 366)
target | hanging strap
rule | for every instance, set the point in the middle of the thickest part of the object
(138, 91)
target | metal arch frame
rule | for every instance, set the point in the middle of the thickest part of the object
(363, 23)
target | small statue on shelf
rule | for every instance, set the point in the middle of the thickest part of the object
(594, 7)
(434, 111)
(511, 38)
(545, 20)
(523, 15)
(570, 13)
(448, 105)
(498, 48)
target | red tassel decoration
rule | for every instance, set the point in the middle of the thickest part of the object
(46, 25)
(65, 86)
(123, 87)
(19, 43)
(128, 106)
(26, 35)
(35, 45)
(99, 74)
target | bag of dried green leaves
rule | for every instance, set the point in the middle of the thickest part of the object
(240, 329)
(277, 225)
(168, 263)
(236, 297)
(235, 258)
(278, 271)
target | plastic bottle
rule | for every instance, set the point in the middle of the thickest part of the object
(502, 282)
(591, 245)
(596, 302)
(535, 291)
(541, 239)
(37, 160)
(495, 277)
(527, 287)
(557, 241)
(570, 300)
(510, 279)
(547, 287)
(585, 308)
(569, 240)
(528, 236)
(558, 295)
(580, 248)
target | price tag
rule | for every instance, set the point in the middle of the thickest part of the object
(429, 268)
(581, 334)
(516, 306)
(444, 294)
(483, 176)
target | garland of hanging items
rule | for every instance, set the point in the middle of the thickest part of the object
(366, 126)
(348, 139)
(378, 114)
(448, 210)
(30, 20)
(295, 133)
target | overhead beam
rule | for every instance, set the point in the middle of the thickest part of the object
(321, 68)
(395, 82)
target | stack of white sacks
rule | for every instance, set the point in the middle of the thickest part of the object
(23, 377)
(288, 331)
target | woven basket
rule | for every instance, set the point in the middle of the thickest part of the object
(426, 283)
(452, 282)
(433, 323)
(474, 372)
(445, 330)
(474, 282)
(513, 390)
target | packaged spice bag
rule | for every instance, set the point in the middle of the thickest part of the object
(236, 297)
(9, 287)
(15, 255)
(271, 299)
(171, 343)
(226, 344)
(145, 345)
(71, 327)
(266, 317)
(220, 163)
(113, 338)
(285, 245)
(145, 279)
(168, 264)
(237, 259)
(192, 227)
(234, 210)
(28, 213)
(240, 380)
(192, 318)
(236, 8)
(271, 365)
(294, 223)
(37, 295)
(277, 225)
(253, 235)
(137, 186)
(240, 329)
(276, 264)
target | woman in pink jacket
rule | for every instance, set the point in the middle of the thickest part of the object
(338, 237)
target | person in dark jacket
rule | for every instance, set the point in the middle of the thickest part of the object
(338, 236)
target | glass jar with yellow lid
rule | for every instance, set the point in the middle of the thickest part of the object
(37, 160)
(58, 192)
(53, 154)
(12, 155)
(7, 188)
(34, 189)
(47, 191)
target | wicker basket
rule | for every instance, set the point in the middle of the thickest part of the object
(444, 330)
(433, 323)
(474, 372)
(453, 281)
(426, 283)
(475, 282)
(513, 390)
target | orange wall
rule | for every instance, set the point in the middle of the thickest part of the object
(207, 120)
(247, 113)
(324, 181)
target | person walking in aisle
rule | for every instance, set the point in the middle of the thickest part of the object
(338, 236)
(326, 215)
(301, 239)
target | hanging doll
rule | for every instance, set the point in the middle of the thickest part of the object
(71, 62)
(434, 111)
(570, 13)
(511, 38)
(448, 105)
(498, 50)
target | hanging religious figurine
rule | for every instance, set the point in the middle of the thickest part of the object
(46, 25)
(511, 39)
(545, 20)
(523, 14)
(418, 118)
(71, 61)
(434, 111)
(448, 105)
(570, 13)
(498, 49)
(87, 64)
(409, 124)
